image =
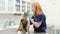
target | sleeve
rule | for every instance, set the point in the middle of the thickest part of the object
(32, 17)
(41, 18)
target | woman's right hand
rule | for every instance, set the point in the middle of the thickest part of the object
(32, 20)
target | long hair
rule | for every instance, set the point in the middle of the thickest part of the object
(37, 7)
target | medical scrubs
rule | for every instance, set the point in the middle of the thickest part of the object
(40, 19)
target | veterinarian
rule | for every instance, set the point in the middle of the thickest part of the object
(38, 19)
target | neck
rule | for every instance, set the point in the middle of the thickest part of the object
(38, 13)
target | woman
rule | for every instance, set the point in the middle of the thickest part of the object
(38, 19)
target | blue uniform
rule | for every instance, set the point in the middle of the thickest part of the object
(40, 18)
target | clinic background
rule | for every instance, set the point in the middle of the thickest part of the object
(51, 8)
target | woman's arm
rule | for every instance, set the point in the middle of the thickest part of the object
(36, 24)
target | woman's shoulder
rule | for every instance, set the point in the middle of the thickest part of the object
(42, 15)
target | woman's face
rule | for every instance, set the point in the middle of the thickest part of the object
(33, 10)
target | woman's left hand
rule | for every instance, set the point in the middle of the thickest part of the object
(33, 21)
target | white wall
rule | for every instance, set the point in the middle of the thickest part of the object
(52, 10)
(9, 17)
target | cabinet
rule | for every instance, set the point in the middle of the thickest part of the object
(14, 6)
(9, 9)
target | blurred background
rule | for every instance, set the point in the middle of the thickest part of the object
(11, 12)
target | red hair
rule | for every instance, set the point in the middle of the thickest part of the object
(37, 6)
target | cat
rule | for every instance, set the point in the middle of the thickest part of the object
(24, 24)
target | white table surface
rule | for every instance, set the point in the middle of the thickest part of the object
(13, 30)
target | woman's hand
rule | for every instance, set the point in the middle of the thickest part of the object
(36, 24)
(32, 20)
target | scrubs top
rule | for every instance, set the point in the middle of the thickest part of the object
(40, 19)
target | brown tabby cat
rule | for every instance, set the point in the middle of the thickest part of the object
(24, 24)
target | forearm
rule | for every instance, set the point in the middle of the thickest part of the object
(36, 24)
